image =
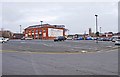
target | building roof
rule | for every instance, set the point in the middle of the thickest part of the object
(46, 25)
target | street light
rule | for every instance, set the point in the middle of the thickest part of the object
(96, 23)
(97, 33)
(42, 31)
(41, 22)
(20, 28)
(100, 29)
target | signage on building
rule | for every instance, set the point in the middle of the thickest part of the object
(55, 32)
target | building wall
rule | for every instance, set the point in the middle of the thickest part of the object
(44, 32)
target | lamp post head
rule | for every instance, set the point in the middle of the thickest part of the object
(96, 15)
(41, 21)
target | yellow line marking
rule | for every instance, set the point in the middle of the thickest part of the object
(41, 52)
(54, 52)
(27, 52)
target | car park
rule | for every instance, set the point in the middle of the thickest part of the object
(60, 38)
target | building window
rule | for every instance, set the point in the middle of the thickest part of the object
(40, 32)
(32, 31)
(44, 34)
(29, 34)
(44, 30)
(36, 31)
(26, 35)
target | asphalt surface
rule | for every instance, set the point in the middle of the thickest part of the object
(40, 57)
(51, 46)
(0, 60)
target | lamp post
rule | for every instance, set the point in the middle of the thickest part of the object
(100, 29)
(20, 28)
(42, 30)
(41, 22)
(97, 33)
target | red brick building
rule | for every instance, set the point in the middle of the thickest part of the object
(45, 31)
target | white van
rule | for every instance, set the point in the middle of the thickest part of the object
(2, 40)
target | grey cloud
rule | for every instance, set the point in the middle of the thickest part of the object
(77, 17)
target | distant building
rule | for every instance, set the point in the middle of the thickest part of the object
(107, 34)
(6, 34)
(45, 31)
(90, 31)
(117, 34)
(0, 33)
(17, 36)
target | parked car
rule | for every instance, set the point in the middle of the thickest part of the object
(26, 38)
(89, 38)
(69, 38)
(60, 38)
(100, 39)
(104, 39)
(117, 42)
(6, 39)
(95, 38)
(75, 38)
(114, 38)
(3, 40)
(80, 38)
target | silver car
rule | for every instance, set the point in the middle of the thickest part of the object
(117, 42)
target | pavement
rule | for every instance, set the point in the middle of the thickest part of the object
(42, 57)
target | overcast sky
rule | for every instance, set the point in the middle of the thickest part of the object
(76, 16)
